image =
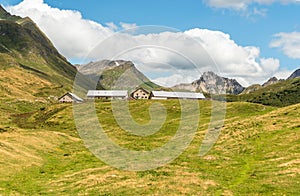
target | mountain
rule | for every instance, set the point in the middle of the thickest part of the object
(280, 94)
(252, 88)
(117, 74)
(295, 74)
(30, 66)
(211, 83)
(271, 81)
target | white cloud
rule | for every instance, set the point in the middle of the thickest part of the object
(112, 26)
(243, 4)
(169, 81)
(173, 57)
(283, 74)
(289, 43)
(127, 26)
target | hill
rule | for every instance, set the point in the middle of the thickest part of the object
(282, 93)
(30, 66)
(117, 74)
(252, 88)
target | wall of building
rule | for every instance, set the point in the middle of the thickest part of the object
(140, 94)
(66, 99)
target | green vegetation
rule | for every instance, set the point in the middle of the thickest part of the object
(124, 77)
(257, 153)
(281, 94)
(30, 66)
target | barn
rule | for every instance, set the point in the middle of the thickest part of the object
(140, 93)
(107, 94)
(163, 95)
(70, 98)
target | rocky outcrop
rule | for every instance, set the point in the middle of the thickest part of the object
(271, 81)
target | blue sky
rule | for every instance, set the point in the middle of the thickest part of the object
(249, 22)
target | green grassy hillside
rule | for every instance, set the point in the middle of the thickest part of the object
(41, 152)
(281, 94)
(30, 66)
(257, 153)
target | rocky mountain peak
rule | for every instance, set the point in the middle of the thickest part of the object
(271, 81)
(116, 74)
(211, 83)
(99, 66)
(295, 74)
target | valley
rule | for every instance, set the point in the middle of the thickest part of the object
(42, 153)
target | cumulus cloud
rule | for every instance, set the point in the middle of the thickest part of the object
(163, 54)
(289, 43)
(197, 49)
(243, 4)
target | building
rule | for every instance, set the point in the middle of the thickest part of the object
(70, 98)
(163, 95)
(107, 94)
(140, 93)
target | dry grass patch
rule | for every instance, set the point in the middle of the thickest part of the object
(17, 83)
(22, 149)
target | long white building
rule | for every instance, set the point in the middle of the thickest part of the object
(163, 95)
(107, 94)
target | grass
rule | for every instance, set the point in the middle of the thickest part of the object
(256, 153)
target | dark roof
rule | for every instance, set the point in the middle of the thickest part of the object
(140, 88)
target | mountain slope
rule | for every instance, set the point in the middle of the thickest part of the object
(281, 94)
(271, 81)
(252, 88)
(25, 52)
(117, 74)
(295, 74)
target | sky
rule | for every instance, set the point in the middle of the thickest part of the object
(249, 40)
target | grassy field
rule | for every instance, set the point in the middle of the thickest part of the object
(257, 153)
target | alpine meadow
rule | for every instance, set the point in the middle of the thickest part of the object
(254, 148)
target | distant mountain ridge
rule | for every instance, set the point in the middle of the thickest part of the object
(211, 83)
(271, 81)
(116, 74)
